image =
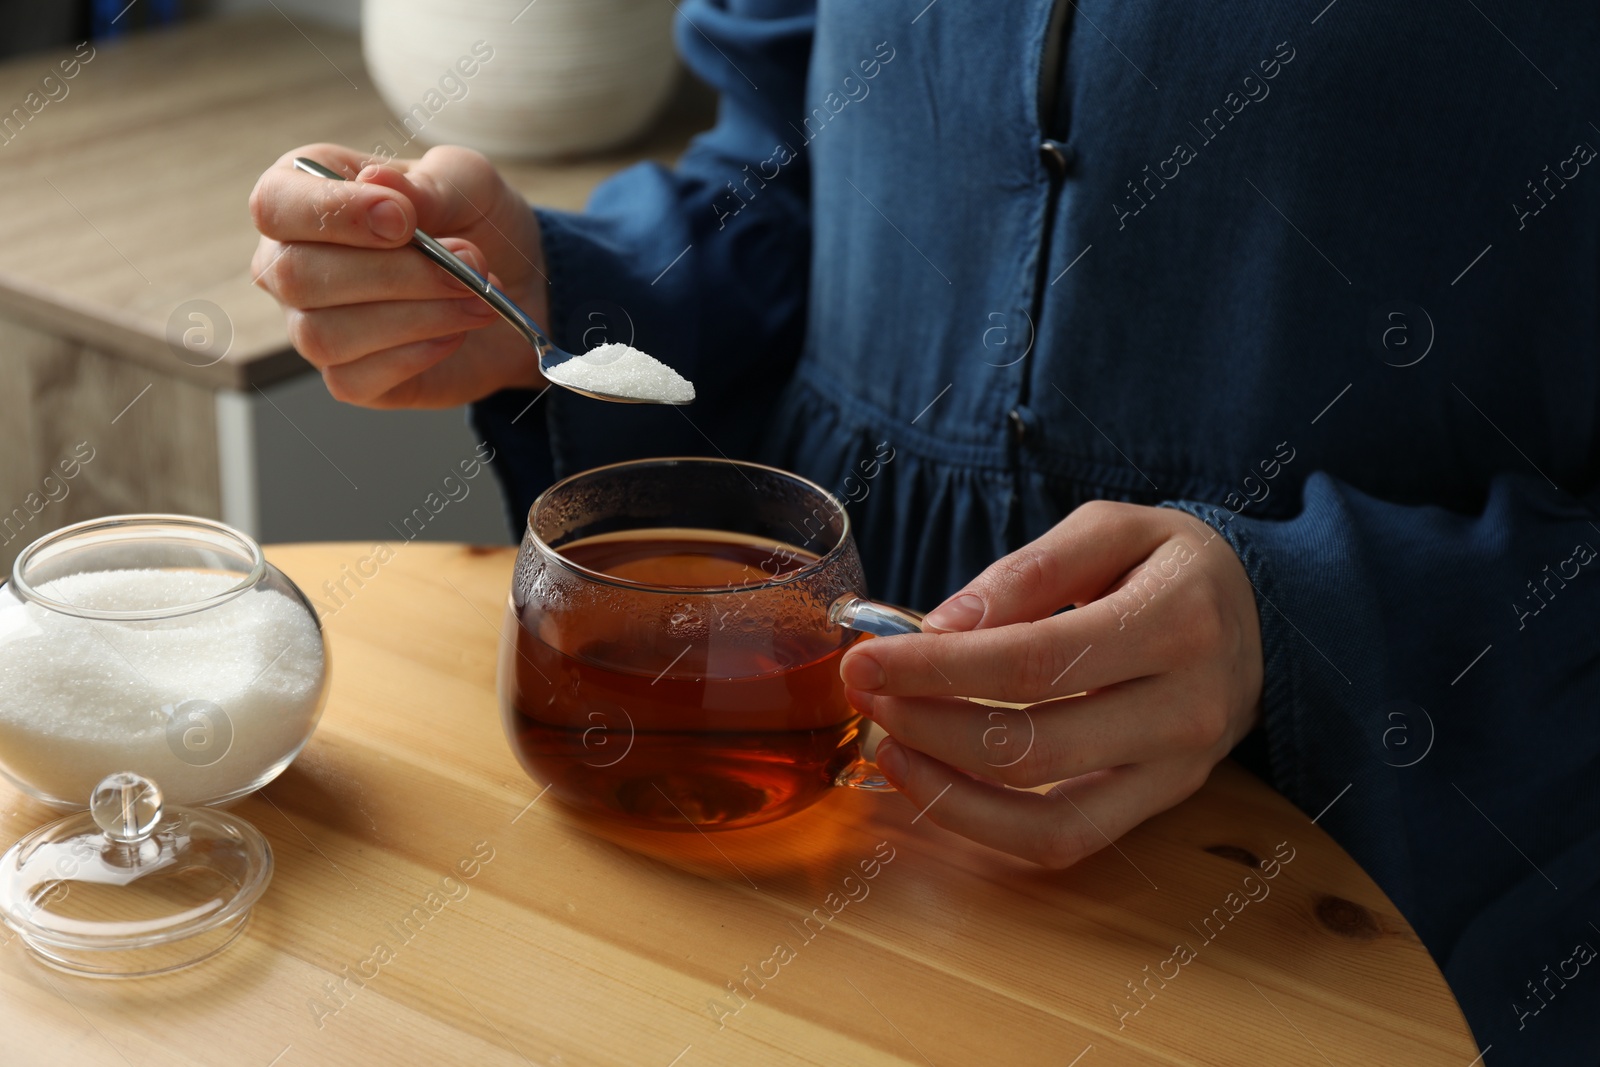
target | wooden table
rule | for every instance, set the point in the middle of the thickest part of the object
(577, 944)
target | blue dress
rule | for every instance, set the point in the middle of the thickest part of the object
(1325, 280)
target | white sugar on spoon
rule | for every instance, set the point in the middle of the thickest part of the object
(618, 370)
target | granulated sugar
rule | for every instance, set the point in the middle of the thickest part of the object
(623, 371)
(82, 698)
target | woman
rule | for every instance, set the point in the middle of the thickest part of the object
(1266, 338)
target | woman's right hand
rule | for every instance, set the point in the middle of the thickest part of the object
(386, 327)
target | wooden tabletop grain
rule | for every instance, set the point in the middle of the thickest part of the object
(125, 196)
(430, 907)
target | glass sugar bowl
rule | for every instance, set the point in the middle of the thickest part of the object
(151, 667)
(158, 644)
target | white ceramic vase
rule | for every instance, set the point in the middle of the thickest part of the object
(517, 79)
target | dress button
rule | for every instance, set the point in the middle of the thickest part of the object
(1019, 429)
(1054, 155)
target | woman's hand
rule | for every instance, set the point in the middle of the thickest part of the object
(386, 327)
(1164, 641)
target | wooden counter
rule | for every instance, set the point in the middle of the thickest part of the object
(573, 943)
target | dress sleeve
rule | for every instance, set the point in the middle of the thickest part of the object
(1432, 680)
(704, 266)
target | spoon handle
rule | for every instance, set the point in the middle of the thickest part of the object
(508, 309)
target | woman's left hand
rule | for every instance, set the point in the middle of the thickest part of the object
(1164, 642)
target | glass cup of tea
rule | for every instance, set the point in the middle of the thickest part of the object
(671, 654)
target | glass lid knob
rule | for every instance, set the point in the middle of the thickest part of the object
(126, 807)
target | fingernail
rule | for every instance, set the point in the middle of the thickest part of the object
(891, 761)
(961, 613)
(387, 221)
(862, 702)
(862, 672)
(368, 172)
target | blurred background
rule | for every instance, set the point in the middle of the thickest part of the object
(140, 368)
(32, 26)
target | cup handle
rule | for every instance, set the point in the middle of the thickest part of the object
(882, 620)
(869, 616)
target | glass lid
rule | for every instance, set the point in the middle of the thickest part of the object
(131, 887)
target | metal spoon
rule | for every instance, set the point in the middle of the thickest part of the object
(550, 357)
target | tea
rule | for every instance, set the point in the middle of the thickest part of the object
(710, 713)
